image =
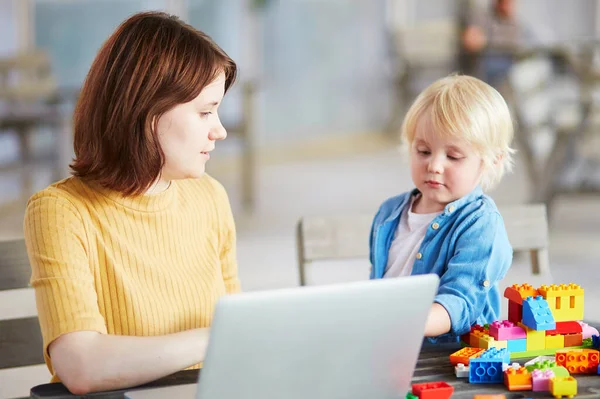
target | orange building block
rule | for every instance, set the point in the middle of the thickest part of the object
(518, 292)
(573, 340)
(463, 355)
(518, 379)
(579, 361)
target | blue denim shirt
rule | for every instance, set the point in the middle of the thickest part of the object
(469, 251)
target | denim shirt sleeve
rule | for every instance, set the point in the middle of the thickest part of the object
(481, 257)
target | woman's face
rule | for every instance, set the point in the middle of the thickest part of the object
(188, 132)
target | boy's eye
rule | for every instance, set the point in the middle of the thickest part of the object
(454, 157)
(424, 152)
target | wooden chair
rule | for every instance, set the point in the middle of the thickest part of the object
(346, 237)
(20, 336)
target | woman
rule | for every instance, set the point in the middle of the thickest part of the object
(131, 253)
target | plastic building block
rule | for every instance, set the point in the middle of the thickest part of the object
(411, 396)
(515, 312)
(543, 365)
(536, 340)
(488, 342)
(587, 344)
(541, 380)
(540, 359)
(506, 366)
(517, 292)
(466, 337)
(516, 345)
(487, 368)
(563, 386)
(587, 330)
(573, 340)
(464, 355)
(475, 338)
(537, 314)
(564, 300)
(579, 361)
(560, 371)
(506, 330)
(555, 341)
(433, 390)
(485, 372)
(461, 371)
(565, 327)
(596, 341)
(517, 379)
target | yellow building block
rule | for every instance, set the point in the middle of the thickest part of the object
(488, 342)
(475, 338)
(555, 341)
(536, 340)
(564, 300)
(563, 386)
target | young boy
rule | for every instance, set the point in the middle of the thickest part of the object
(459, 131)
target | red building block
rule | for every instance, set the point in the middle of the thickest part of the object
(515, 312)
(565, 327)
(433, 390)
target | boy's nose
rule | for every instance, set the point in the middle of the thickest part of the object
(435, 167)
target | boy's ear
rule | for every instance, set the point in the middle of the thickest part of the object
(498, 159)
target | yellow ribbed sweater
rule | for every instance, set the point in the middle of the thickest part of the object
(143, 266)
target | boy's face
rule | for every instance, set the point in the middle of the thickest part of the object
(443, 169)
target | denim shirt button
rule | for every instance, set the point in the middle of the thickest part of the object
(486, 283)
(451, 209)
(419, 255)
(435, 226)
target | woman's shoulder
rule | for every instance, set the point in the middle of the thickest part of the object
(71, 190)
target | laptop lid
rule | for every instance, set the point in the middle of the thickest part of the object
(353, 340)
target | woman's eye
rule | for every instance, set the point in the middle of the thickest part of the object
(205, 114)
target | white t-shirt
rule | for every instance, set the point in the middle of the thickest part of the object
(407, 240)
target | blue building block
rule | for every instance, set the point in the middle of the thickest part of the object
(537, 315)
(596, 341)
(516, 345)
(487, 368)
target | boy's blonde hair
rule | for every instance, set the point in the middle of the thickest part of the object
(466, 108)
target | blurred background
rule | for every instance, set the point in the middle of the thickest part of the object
(314, 118)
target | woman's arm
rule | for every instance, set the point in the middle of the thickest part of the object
(87, 361)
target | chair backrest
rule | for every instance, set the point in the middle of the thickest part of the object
(26, 77)
(345, 237)
(20, 337)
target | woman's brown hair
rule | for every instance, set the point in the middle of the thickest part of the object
(150, 64)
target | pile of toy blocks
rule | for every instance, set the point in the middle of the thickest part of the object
(541, 322)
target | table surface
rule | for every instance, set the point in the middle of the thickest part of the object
(433, 365)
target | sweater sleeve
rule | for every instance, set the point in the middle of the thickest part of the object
(65, 293)
(227, 239)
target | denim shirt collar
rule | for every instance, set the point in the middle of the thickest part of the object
(449, 208)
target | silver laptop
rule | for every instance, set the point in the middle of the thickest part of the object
(354, 340)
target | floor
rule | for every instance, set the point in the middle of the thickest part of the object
(346, 183)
